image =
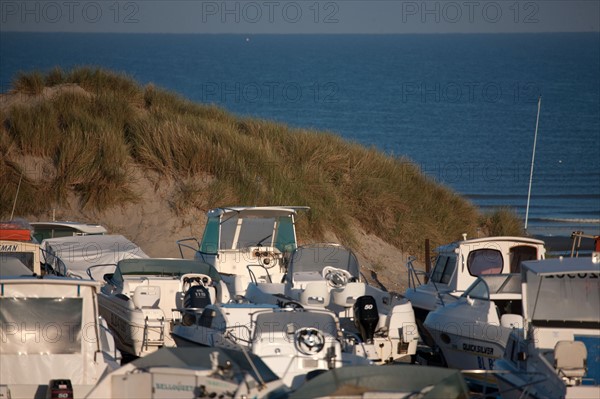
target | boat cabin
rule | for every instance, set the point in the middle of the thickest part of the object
(459, 264)
(51, 330)
(18, 246)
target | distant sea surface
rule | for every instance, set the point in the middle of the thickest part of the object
(463, 107)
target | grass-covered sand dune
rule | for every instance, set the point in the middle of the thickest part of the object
(89, 142)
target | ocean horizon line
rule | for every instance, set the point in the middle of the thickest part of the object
(307, 33)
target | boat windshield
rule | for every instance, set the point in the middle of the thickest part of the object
(163, 267)
(315, 258)
(278, 325)
(494, 284)
(443, 269)
(235, 232)
(565, 299)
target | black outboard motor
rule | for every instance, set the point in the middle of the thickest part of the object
(59, 389)
(366, 317)
(197, 296)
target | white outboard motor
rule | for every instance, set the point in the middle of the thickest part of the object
(366, 317)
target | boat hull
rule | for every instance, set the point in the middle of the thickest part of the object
(137, 331)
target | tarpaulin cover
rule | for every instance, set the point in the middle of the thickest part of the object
(78, 253)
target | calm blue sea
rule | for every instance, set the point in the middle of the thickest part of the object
(461, 106)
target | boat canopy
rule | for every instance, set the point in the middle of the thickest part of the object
(314, 258)
(163, 267)
(78, 253)
(44, 230)
(240, 227)
(562, 292)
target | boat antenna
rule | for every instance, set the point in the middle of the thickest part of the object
(537, 121)
(12, 214)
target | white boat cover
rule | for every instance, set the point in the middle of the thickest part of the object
(78, 253)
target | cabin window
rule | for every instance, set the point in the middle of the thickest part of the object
(444, 269)
(485, 261)
(210, 238)
(285, 241)
(519, 254)
(25, 258)
(40, 325)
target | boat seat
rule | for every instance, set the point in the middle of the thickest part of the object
(315, 294)
(146, 296)
(347, 296)
(510, 320)
(570, 359)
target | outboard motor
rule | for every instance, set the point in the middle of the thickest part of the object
(366, 317)
(59, 389)
(197, 296)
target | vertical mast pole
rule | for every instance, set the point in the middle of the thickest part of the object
(537, 121)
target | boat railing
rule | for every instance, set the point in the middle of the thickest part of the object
(53, 264)
(183, 243)
(253, 276)
(414, 280)
(231, 334)
(89, 269)
(355, 337)
(577, 237)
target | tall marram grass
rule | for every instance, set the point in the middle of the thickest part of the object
(96, 134)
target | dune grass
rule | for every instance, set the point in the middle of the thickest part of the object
(94, 137)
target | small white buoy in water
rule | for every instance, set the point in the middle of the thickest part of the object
(247, 39)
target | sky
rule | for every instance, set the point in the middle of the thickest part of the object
(301, 16)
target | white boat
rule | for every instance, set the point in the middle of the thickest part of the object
(327, 276)
(459, 264)
(17, 244)
(53, 340)
(77, 254)
(191, 373)
(473, 330)
(55, 229)
(397, 381)
(143, 297)
(291, 342)
(557, 352)
(247, 242)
